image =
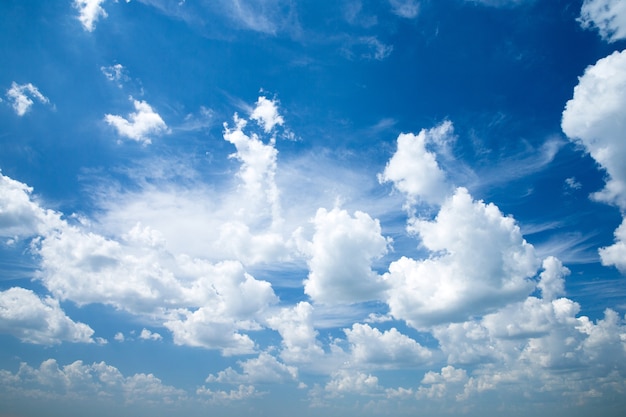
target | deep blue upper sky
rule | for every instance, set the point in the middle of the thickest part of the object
(319, 207)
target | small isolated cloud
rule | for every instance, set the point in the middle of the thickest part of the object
(242, 393)
(115, 73)
(572, 183)
(405, 8)
(141, 124)
(119, 337)
(148, 335)
(21, 97)
(607, 16)
(40, 321)
(413, 169)
(367, 47)
(89, 11)
(266, 114)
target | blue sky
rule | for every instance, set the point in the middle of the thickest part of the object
(393, 207)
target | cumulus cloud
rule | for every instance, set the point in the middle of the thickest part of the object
(21, 96)
(616, 254)
(607, 16)
(413, 168)
(266, 114)
(78, 380)
(263, 369)
(341, 255)
(141, 124)
(32, 319)
(390, 349)
(299, 337)
(148, 335)
(596, 119)
(89, 11)
(479, 257)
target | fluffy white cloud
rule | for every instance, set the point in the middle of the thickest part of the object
(89, 12)
(341, 255)
(81, 381)
(262, 369)
(141, 124)
(148, 335)
(372, 348)
(405, 8)
(608, 16)
(552, 279)
(19, 214)
(41, 321)
(438, 384)
(479, 261)
(413, 169)
(616, 254)
(299, 337)
(243, 392)
(596, 119)
(345, 381)
(266, 114)
(22, 95)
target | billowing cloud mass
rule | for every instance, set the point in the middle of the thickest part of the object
(80, 381)
(140, 125)
(22, 95)
(41, 321)
(342, 251)
(607, 16)
(479, 261)
(413, 169)
(596, 118)
(266, 114)
(90, 11)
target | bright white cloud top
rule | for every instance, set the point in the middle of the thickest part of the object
(421, 212)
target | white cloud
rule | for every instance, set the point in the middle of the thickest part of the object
(80, 381)
(608, 16)
(41, 321)
(616, 254)
(413, 169)
(89, 12)
(263, 369)
(19, 214)
(116, 73)
(552, 279)
(479, 257)
(299, 337)
(341, 255)
(243, 392)
(119, 337)
(596, 119)
(22, 95)
(390, 349)
(266, 114)
(367, 47)
(345, 381)
(405, 8)
(141, 124)
(438, 384)
(148, 335)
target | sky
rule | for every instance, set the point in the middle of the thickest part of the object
(329, 207)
